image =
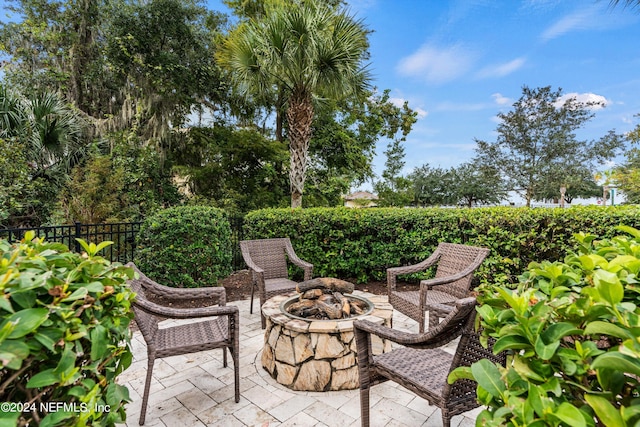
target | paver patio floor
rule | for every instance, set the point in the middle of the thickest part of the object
(194, 390)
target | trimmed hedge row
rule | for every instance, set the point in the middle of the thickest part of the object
(185, 246)
(363, 243)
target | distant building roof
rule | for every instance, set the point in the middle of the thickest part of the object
(361, 195)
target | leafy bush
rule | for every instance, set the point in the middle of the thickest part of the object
(64, 335)
(185, 247)
(363, 243)
(571, 329)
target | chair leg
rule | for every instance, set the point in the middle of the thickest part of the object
(446, 418)
(236, 371)
(147, 386)
(224, 357)
(364, 407)
(253, 288)
(421, 322)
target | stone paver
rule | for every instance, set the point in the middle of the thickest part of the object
(195, 390)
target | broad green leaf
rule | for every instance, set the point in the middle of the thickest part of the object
(545, 351)
(55, 419)
(608, 414)
(599, 327)
(27, 321)
(517, 302)
(462, 372)
(9, 419)
(67, 361)
(570, 415)
(488, 377)
(608, 286)
(94, 287)
(513, 342)
(617, 361)
(535, 399)
(560, 330)
(103, 245)
(79, 293)
(523, 369)
(116, 394)
(43, 379)
(12, 353)
(629, 230)
(629, 412)
(99, 342)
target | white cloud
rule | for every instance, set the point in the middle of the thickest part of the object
(500, 99)
(501, 70)
(437, 65)
(599, 101)
(594, 17)
(421, 113)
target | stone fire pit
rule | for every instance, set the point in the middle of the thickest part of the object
(316, 355)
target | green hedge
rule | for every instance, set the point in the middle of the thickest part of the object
(185, 247)
(64, 335)
(363, 243)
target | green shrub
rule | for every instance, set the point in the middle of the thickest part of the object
(64, 335)
(571, 331)
(185, 247)
(363, 243)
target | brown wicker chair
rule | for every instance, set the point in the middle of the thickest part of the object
(420, 365)
(267, 260)
(220, 332)
(453, 279)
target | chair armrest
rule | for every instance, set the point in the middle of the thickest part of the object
(186, 313)
(295, 259)
(253, 266)
(430, 283)
(217, 295)
(446, 331)
(393, 272)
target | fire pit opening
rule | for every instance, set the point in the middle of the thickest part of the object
(325, 299)
(318, 353)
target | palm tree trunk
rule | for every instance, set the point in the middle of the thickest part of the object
(299, 117)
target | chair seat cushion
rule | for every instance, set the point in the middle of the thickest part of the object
(280, 285)
(408, 302)
(192, 337)
(423, 371)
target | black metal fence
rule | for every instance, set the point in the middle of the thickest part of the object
(122, 234)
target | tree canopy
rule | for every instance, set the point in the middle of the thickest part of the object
(302, 54)
(537, 145)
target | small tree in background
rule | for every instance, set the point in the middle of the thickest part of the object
(537, 139)
(394, 189)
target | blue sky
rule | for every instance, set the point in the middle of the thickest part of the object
(460, 62)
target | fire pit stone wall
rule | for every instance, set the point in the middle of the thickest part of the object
(316, 355)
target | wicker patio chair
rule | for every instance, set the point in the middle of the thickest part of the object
(420, 365)
(267, 260)
(218, 327)
(453, 280)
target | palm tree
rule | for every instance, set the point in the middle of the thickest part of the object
(303, 53)
(52, 132)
